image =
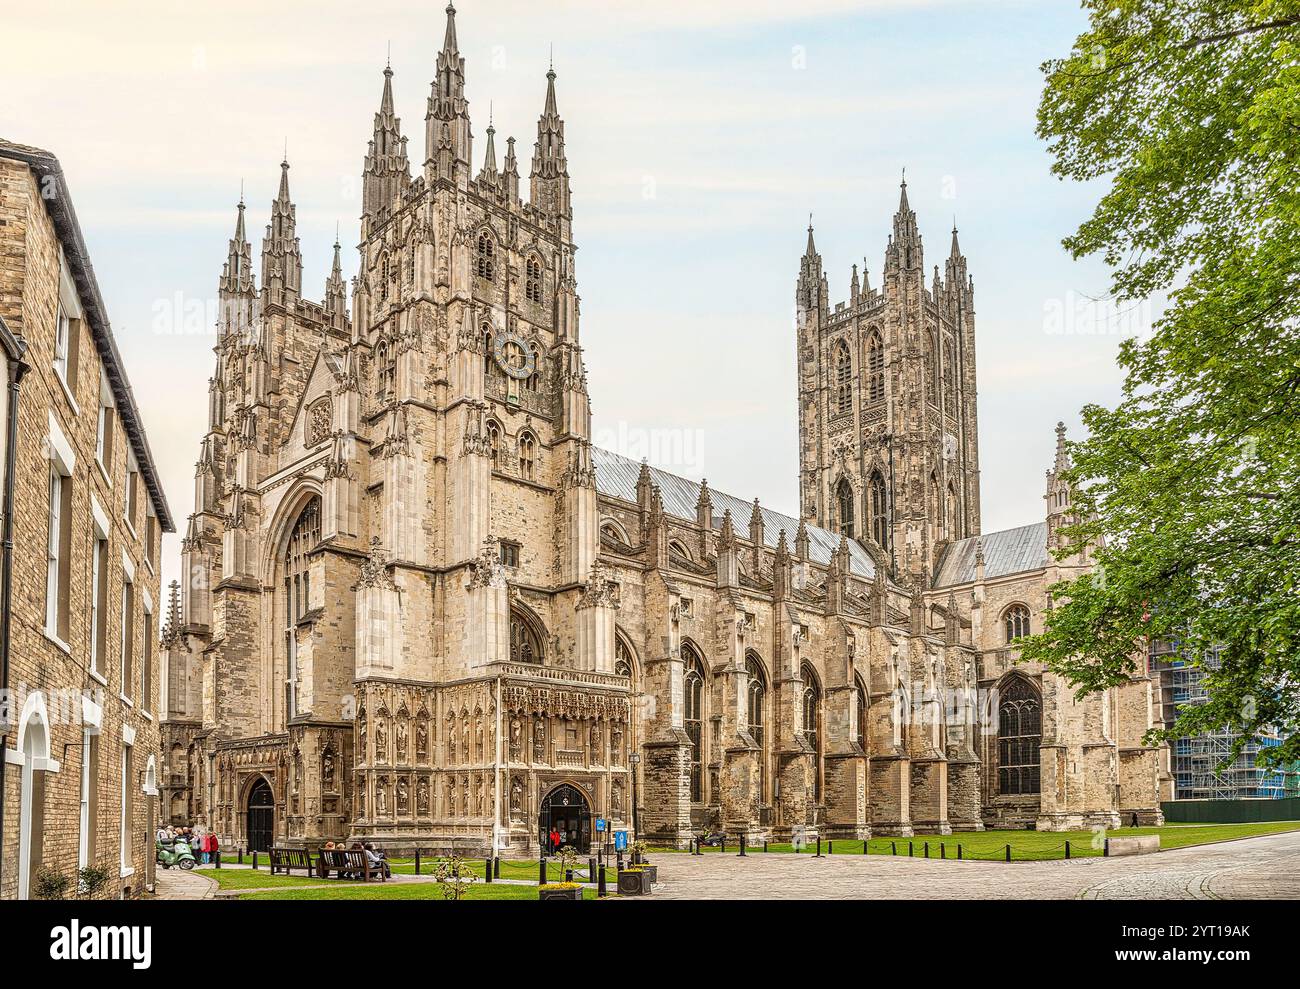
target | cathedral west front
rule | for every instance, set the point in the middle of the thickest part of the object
(421, 608)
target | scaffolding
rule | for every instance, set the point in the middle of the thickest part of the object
(1203, 765)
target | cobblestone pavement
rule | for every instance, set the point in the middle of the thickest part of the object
(1253, 868)
(177, 884)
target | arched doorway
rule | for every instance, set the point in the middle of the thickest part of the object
(261, 816)
(567, 810)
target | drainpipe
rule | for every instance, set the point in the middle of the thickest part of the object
(17, 368)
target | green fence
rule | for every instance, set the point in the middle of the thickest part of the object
(1230, 811)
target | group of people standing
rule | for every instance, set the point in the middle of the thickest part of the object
(203, 843)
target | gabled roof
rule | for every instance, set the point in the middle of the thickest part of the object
(59, 203)
(616, 477)
(1007, 552)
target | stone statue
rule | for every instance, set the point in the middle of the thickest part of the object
(381, 740)
(516, 796)
(515, 731)
(539, 739)
(381, 796)
(421, 740)
(401, 740)
(422, 797)
(327, 770)
(403, 796)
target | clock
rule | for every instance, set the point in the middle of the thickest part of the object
(514, 356)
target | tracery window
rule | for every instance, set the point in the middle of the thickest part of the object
(527, 456)
(533, 280)
(489, 362)
(693, 720)
(525, 642)
(385, 373)
(1020, 732)
(811, 706)
(932, 377)
(875, 369)
(843, 379)
(485, 264)
(950, 379)
(1017, 622)
(862, 701)
(756, 698)
(494, 443)
(622, 657)
(844, 502)
(879, 509)
(303, 538)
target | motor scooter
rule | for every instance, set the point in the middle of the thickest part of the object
(176, 855)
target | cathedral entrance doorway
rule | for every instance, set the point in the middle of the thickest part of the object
(261, 816)
(566, 810)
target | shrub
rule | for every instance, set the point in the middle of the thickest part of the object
(48, 884)
(91, 880)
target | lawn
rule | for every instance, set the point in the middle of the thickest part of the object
(510, 868)
(261, 879)
(405, 891)
(1025, 845)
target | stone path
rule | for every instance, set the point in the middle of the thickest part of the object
(1254, 868)
(177, 884)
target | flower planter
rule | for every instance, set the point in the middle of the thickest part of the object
(650, 870)
(555, 891)
(633, 882)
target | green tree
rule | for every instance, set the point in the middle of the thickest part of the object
(1187, 112)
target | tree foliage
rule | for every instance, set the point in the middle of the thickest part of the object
(1189, 489)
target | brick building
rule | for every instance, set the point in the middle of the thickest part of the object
(421, 606)
(82, 596)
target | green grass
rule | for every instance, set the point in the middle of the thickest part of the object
(405, 891)
(261, 879)
(1025, 845)
(510, 868)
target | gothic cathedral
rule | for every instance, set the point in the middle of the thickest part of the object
(420, 608)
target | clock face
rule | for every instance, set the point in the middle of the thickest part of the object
(514, 356)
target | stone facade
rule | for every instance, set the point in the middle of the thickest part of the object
(421, 608)
(81, 701)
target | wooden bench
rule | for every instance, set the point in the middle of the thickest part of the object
(348, 863)
(287, 859)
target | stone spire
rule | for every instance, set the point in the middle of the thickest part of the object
(811, 292)
(336, 289)
(447, 138)
(386, 172)
(1060, 495)
(489, 176)
(237, 291)
(904, 248)
(549, 185)
(172, 624)
(511, 173)
(281, 255)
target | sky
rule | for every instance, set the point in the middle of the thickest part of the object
(700, 136)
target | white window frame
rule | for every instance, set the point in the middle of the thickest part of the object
(63, 463)
(126, 641)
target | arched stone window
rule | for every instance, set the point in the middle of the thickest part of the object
(383, 278)
(303, 538)
(875, 368)
(844, 506)
(843, 379)
(485, 263)
(879, 509)
(951, 512)
(812, 713)
(755, 711)
(533, 280)
(525, 638)
(623, 665)
(527, 455)
(676, 546)
(489, 363)
(609, 529)
(862, 700)
(950, 378)
(1016, 621)
(936, 509)
(1020, 732)
(932, 376)
(693, 718)
(494, 444)
(385, 373)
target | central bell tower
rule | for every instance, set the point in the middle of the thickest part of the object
(888, 447)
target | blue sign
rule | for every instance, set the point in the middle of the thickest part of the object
(600, 824)
(620, 841)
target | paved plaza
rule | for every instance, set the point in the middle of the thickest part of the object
(1252, 868)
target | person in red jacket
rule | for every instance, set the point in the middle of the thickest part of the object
(210, 845)
(555, 840)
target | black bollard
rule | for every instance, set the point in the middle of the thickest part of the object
(240, 853)
(959, 853)
(600, 888)
(927, 849)
(1106, 850)
(417, 861)
(909, 850)
(819, 847)
(830, 847)
(216, 857)
(541, 873)
(568, 875)
(496, 866)
(893, 848)
(487, 869)
(1067, 849)
(943, 852)
(620, 861)
(254, 860)
(1008, 853)
(764, 844)
(591, 870)
(864, 846)
(742, 846)
(723, 846)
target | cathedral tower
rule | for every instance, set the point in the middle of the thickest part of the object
(887, 441)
